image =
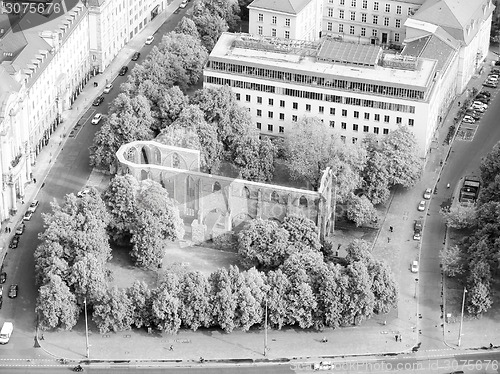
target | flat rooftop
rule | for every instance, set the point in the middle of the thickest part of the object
(229, 49)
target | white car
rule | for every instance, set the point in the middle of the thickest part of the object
(414, 267)
(427, 193)
(478, 108)
(27, 215)
(468, 119)
(34, 204)
(183, 4)
(150, 39)
(480, 103)
(108, 88)
(421, 206)
(82, 193)
(97, 118)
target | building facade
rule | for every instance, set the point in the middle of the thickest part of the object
(114, 22)
(288, 19)
(43, 68)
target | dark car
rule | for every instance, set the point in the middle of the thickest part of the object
(136, 56)
(123, 70)
(20, 229)
(483, 99)
(13, 289)
(485, 93)
(14, 242)
(3, 277)
(98, 100)
(1, 301)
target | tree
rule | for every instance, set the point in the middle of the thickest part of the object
(384, 287)
(330, 296)
(278, 288)
(139, 295)
(309, 150)
(490, 192)
(157, 220)
(222, 300)
(360, 301)
(360, 210)
(451, 260)
(403, 163)
(194, 295)
(248, 311)
(255, 158)
(88, 278)
(302, 230)
(166, 306)
(116, 131)
(459, 216)
(49, 262)
(263, 244)
(359, 250)
(56, 305)
(170, 106)
(490, 165)
(479, 299)
(120, 198)
(188, 27)
(301, 300)
(113, 312)
(210, 28)
(375, 174)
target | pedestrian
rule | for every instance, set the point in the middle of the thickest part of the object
(491, 346)
(388, 240)
(22, 201)
(42, 338)
(400, 339)
(395, 336)
(459, 103)
(10, 230)
(385, 322)
(34, 180)
(171, 347)
(338, 248)
(337, 254)
(391, 229)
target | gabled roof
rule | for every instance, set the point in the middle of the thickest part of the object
(460, 18)
(284, 6)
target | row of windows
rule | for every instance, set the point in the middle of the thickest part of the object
(311, 95)
(274, 20)
(352, 31)
(286, 33)
(375, 18)
(340, 84)
(376, 6)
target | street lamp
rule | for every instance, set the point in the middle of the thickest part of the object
(265, 330)
(461, 318)
(416, 284)
(86, 329)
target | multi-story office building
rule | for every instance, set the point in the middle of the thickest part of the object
(356, 89)
(114, 22)
(368, 21)
(288, 19)
(44, 65)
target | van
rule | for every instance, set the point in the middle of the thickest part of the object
(6, 332)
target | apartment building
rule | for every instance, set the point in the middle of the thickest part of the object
(369, 21)
(288, 19)
(356, 89)
(114, 22)
(44, 64)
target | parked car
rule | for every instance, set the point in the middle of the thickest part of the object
(473, 114)
(421, 206)
(493, 76)
(20, 229)
(13, 290)
(479, 103)
(427, 193)
(83, 192)
(3, 277)
(136, 56)
(108, 88)
(34, 204)
(183, 4)
(14, 242)
(485, 93)
(490, 84)
(468, 119)
(478, 108)
(150, 39)
(123, 70)
(98, 100)
(97, 118)
(483, 99)
(417, 230)
(414, 267)
(27, 215)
